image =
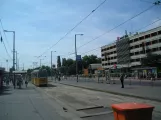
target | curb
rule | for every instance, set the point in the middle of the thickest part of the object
(116, 93)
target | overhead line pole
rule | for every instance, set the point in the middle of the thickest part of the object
(13, 53)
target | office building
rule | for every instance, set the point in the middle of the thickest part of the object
(128, 50)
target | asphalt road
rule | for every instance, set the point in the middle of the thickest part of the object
(75, 99)
(61, 102)
(28, 104)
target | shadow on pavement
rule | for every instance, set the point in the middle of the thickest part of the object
(28, 88)
(50, 85)
(5, 90)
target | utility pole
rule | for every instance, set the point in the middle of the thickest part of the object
(23, 66)
(7, 65)
(76, 55)
(40, 62)
(13, 50)
(16, 60)
(51, 65)
(13, 53)
(17, 64)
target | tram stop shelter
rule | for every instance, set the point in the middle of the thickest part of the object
(143, 72)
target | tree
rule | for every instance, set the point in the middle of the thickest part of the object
(69, 62)
(47, 68)
(58, 62)
(69, 65)
(151, 60)
(90, 59)
(99, 60)
(64, 61)
(11, 70)
(29, 71)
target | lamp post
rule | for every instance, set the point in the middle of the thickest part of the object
(17, 61)
(52, 63)
(76, 54)
(13, 47)
(7, 65)
(13, 54)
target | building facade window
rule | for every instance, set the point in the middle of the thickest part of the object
(131, 47)
(136, 39)
(147, 36)
(141, 52)
(137, 60)
(154, 49)
(136, 46)
(160, 40)
(155, 41)
(148, 43)
(131, 41)
(132, 60)
(159, 32)
(141, 38)
(131, 54)
(136, 53)
(154, 34)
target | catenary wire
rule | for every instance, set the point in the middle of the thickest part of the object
(74, 27)
(5, 35)
(5, 47)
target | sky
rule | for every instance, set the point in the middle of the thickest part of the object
(39, 24)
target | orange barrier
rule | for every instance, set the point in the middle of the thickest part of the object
(132, 111)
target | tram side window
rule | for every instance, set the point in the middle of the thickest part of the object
(42, 73)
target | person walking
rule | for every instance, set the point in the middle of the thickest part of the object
(26, 83)
(122, 80)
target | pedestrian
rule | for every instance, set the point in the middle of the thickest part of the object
(59, 77)
(26, 83)
(122, 80)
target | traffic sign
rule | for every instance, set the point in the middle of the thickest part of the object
(78, 58)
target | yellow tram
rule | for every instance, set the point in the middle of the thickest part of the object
(39, 77)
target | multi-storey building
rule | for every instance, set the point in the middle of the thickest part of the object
(143, 43)
(130, 49)
(109, 55)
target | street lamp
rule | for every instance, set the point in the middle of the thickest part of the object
(76, 54)
(13, 47)
(51, 62)
(17, 60)
(7, 65)
(13, 54)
